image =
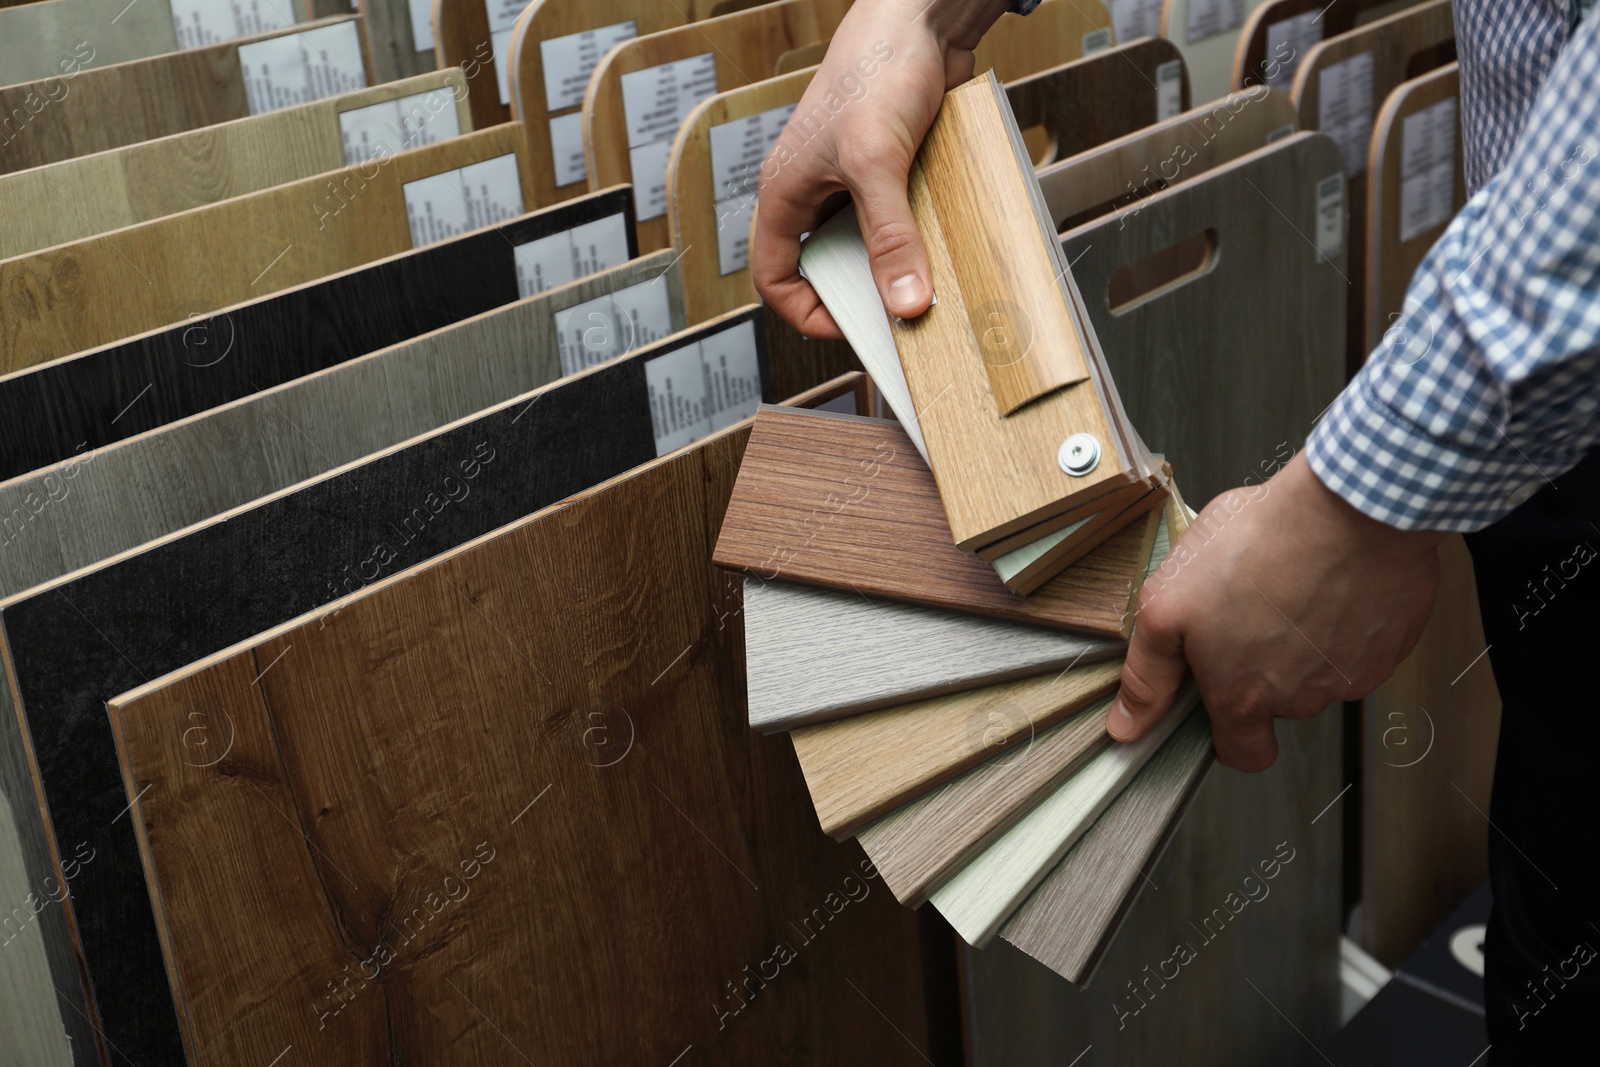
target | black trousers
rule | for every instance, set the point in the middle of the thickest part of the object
(1538, 574)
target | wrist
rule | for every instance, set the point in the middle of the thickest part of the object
(1306, 495)
(954, 22)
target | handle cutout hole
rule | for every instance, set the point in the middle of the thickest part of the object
(1041, 145)
(1161, 272)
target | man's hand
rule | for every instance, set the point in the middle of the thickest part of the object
(1282, 599)
(856, 130)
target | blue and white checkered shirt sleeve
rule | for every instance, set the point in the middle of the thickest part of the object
(1488, 385)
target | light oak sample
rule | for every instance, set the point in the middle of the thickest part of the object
(141, 182)
(1339, 88)
(395, 801)
(1206, 33)
(1277, 35)
(1118, 175)
(1122, 85)
(187, 596)
(979, 897)
(819, 654)
(59, 410)
(91, 292)
(861, 767)
(846, 503)
(1068, 921)
(99, 107)
(393, 43)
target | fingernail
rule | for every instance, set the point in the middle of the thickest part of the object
(1119, 724)
(905, 294)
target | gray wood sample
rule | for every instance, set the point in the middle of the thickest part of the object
(36, 38)
(815, 654)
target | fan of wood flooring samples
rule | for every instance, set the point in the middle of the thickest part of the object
(711, 175)
(137, 183)
(80, 110)
(60, 410)
(1277, 35)
(1339, 88)
(193, 593)
(556, 853)
(1206, 32)
(91, 292)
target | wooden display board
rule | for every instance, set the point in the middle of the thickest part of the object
(60, 410)
(91, 110)
(1206, 32)
(399, 37)
(1264, 366)
(94, 291)
(138, 183)
(1277, 35)
(1074, 106)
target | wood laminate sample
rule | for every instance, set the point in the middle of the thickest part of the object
(62, 409)
(1277, 35)
(197, 591)
(1339, 88)
(846, 503)
(137, 183)
(1207, 33)
(398, 47)
(91, 292)
(860, 767)
(574, 851)
(35, 38)
(86, 108)
(818, 654)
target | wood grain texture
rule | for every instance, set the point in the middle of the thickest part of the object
(847, 503)
(391, 43)
(818, 654)
(568, 899)
(102, 107)
(746, 45)
(1178, 369)
(187, 596)
(117, 498)
(35, 38)
(1251, 54)
(461, 38)
(94, 291)
(1390, 261)
(1401, 46)
(863, 766)
(1118, 175)
(980, 897)
(59, 410)
(1067, 922)
(138, 183)
(1209, 58)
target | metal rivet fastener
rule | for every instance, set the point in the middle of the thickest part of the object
(1079, 454)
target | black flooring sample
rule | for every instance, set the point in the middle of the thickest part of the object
(1404, 1026)
(1434, 966)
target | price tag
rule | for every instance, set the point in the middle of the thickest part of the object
(1135, 18)
(569, 61)
(1169, 89)
(1288, 41)
(421, 24)
(1330, 217)
(1207, 18)
(566, 149)
(1344, 109)
(399, 124)
(203, 22)
(1096, 41)
(655, 101)
(737, 151)
(611, 326)
(703, 387)
(1427, 169)
(298, 68)
(546, 262)
(448, 204)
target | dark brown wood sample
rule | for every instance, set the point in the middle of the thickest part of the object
(189, 595)
(429, 787)
(71, 406)
(844, 502)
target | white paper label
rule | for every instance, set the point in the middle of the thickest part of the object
(1288, 41)
(546, 262)
(1169, 89)
(611, 326)
(1274, 136)
(1096, 41)
(298, 68)
(421, 24)
(1344, 109)
(203, 22)
(655, 101)
(397, 125)
(1135, 18)
(1330, 217)
(737, 151)
(1207, 18)
(451, 203)
(1427, 169)
(570, 60)
(566, 149)
(500, 43)
(704, 387)
(503, 13)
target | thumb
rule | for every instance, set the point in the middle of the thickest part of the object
(1151, 677)
(894, 244)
